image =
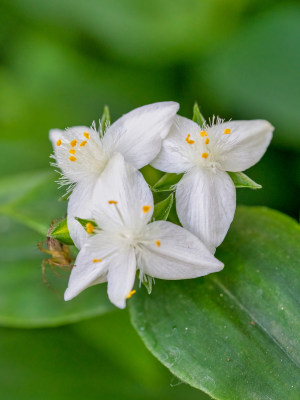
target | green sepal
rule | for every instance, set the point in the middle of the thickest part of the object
(162, 209)
(84, 222)
(167, 183)
(241, 180)
(105, 120)
(147, 281)
(61, 233)
(197, 116)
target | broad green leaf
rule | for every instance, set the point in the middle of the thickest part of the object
(60, 232)
(167, 183)
(163, 208)
(197, 116)
(234, 334)
(105, 120)
(241, 180)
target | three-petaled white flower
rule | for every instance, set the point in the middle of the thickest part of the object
(126, 241)
(205, 196)
(82, 155)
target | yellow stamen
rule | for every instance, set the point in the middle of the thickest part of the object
(146, 209)
(188, 140)
(72, 151)
(206, 141)
(227, 131)
(73, 143)
(203, 133)
(157, 243)
(82, 144)
(72, 158)
(204, 155)
(112, 202)
(95, 260)
(86, 135)
(130, 294)
(90, 227)
(58, 143)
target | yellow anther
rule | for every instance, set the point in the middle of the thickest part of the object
(204, 155)
(72, 158)
(146, 209)
(130, 294)
(227, 131)
(89, 227)
(95, 260)
(203, 133)
(206, 141)
(112, 202)
(58, 143)
(157, 243)
(86, 135)
(82, 144)
(73, 143)
(188, 140)
(72, 151)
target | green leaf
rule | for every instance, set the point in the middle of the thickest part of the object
(25, 300)
(197, 116)
(30, 198)
(167, 183)
(28, 204)
(163, 208)
(234, 334)
(60, 232)
(241, 180)
(105, 120)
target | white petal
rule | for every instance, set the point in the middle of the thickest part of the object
(171, 252)
(243, 146)
(176, 154)
(138, 134)
(205, 202)
(88, 269)
(120, 182)
(78, 152)
(121, 276)
(80, 205)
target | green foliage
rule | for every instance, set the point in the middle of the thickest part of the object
(91, 360)
(240, 325)
(27, 206)
(255, 73)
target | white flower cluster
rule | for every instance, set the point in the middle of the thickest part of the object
(109, 189)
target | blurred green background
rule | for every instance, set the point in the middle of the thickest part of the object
(60, 63)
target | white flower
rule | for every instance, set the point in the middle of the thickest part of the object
(205, 196)
(82, 154)
(126, 241)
